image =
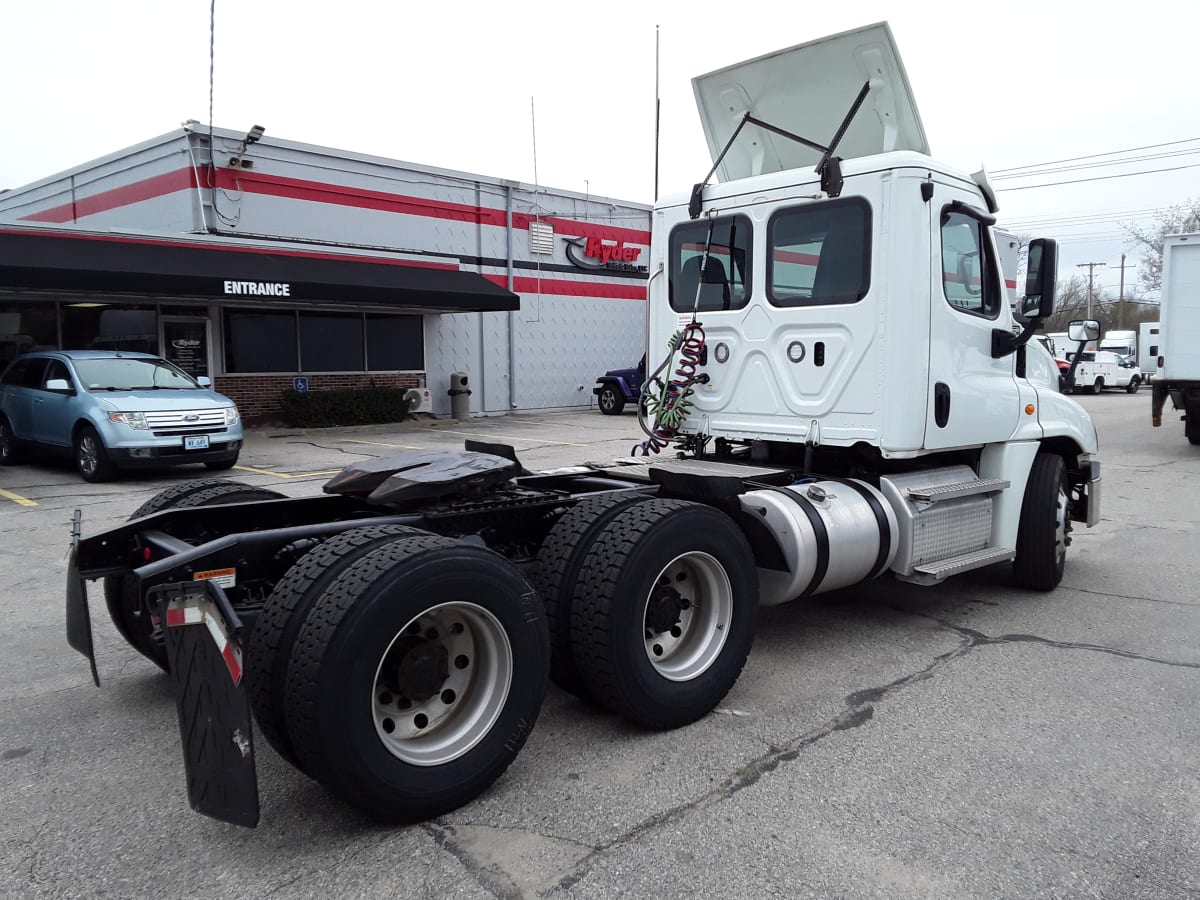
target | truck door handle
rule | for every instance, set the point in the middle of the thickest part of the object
(941, 404)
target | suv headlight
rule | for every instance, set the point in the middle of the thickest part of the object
(231, 415)
(132, 419)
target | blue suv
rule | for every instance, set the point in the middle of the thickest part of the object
(114, 410)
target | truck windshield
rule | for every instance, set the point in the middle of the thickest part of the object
(124, 374)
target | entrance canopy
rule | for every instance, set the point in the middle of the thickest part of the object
(225, 269)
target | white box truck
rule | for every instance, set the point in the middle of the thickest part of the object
(1179, 343)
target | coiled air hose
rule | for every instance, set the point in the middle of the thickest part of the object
(668, 401)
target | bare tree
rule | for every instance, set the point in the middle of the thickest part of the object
(1178, 219)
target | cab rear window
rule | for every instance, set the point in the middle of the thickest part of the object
(725, 281)
(820, 254)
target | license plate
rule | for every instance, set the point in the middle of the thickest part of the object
(196, 442)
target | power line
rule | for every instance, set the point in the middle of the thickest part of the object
(1055, 162)
(1029, 187)
(1128, 160)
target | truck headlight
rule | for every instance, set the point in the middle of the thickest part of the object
(132, 419)
(231, 415)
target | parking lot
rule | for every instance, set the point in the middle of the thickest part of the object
(969, 740)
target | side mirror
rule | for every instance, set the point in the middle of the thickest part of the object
(59, 386)
(204, 381)
(1083, 330)
(1041, 279)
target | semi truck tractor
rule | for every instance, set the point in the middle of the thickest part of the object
(837, 390)
(1178, 376)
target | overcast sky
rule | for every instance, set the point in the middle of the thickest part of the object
(449, 84)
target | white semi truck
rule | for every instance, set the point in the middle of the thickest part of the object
(1179, 344)
(845, 394)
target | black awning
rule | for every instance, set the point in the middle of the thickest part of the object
(39, 259)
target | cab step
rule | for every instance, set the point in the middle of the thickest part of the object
(931, 573)
(959, 489)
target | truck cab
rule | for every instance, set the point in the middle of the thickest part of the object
(851, 300)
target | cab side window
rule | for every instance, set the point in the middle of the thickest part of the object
(968, 269)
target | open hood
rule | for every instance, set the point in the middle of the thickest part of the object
(807, 90)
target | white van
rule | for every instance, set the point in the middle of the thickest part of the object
(1100, 369)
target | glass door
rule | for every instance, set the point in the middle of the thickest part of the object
(185, 342)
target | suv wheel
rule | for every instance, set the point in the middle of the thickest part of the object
(91, 457)
(10, 447)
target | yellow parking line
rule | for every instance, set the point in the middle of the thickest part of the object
(504, 437)
(17, 498)
(378, 444)
(285, 474)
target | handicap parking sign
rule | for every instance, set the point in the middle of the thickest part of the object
(300, 383)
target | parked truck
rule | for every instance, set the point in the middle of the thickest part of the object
(1100, 369)
(1149, 348)
(838, 391)
(1179, 356)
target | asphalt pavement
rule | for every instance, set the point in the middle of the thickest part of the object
(967, 740)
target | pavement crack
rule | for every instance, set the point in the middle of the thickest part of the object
(860, 709)
(979, 639)
(338, 449)
(1127, 596)
(495, 882)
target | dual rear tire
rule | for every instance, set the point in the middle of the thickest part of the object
(401, 669)
(652, 605)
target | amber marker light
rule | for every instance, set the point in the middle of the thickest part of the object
(1029, 409)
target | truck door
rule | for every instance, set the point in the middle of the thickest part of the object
(973, 398)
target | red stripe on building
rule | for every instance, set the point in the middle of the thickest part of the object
(563, 288)
(321, 192)
(147, 189)
(341, 195)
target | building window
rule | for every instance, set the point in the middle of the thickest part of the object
(260, 342)
(330, 342)
(109, 326)
(25, 327)
(395, 343)
(726, 277)
(819, 254)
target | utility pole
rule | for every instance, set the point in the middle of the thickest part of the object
(1121, 298)
(1090, 267)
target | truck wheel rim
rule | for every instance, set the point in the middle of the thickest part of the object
(606, 400)
(442, 683)
(1060, 528)
(686, 616)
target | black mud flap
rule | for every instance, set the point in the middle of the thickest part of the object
(79, 620)
(205, 661)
